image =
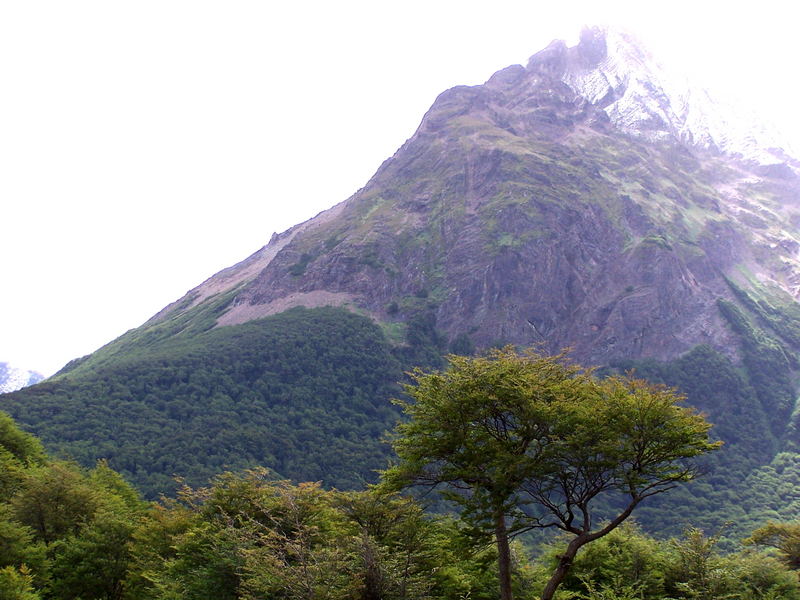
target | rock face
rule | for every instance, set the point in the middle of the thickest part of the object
(612, 70)
(586, 200)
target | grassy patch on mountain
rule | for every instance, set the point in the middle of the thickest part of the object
(768, 364)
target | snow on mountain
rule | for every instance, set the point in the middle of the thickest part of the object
(14, 378)
(612, 69)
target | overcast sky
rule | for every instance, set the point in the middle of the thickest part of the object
(145, 145)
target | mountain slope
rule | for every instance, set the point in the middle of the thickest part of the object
(584, 200)
(527, 212)
(304, 392)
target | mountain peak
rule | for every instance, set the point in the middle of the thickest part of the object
(592, 47)
(568, 202)
(612, 70)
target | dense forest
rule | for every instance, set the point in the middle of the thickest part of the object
(307, 393)
(72, 533)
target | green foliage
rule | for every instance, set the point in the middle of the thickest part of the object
(522, 442)
(696, 570)
(23, 447)
(779, 313)
(424, 343)
(629, 564)
(784, 537)
(250, 537)
(462, 345)
(305, 392)
(18, 451)
(55, 501)
(742, 486)
(18, 545)
(625, 562)
(205, 565)
(299, 267)
(17, 584)
(768, 366)
(65, 533)
(94, 562)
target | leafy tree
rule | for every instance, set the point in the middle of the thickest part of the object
(22, 446)
(696, 570)
(399, 551)
(784, 537)
(55, 500)
(153, 546)
(530, 441)
(305, 392)
(17, 544)
(17, 584)
(205, 565)
(93, 563)
(626, 561)
(290, 544)
(18, 451)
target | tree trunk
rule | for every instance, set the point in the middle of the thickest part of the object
(503, 557)
(564, 564)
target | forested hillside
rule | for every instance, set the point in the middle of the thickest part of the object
(69, 533)
(306, 393)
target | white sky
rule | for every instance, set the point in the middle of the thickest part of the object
(145, 145)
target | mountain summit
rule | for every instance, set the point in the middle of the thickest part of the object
(613, 70)
(587, 200)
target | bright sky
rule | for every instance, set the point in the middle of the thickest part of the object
(146, 145)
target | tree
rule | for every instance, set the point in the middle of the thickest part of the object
(17, 584)
(624, 563)
(530, 441)
(696, 570)
(93, 563)
(18, 452)
(784, 537)
(55, 500)
(21, 445)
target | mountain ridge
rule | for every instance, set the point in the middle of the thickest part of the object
(518, 116)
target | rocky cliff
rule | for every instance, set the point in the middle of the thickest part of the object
(585, 200)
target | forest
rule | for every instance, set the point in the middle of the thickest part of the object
(71, 532)
(307, 393)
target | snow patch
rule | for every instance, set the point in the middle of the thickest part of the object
(643, 99)
(14, 378)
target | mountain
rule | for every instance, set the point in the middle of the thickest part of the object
(587, 200)
(13, 378)
(580, 201)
